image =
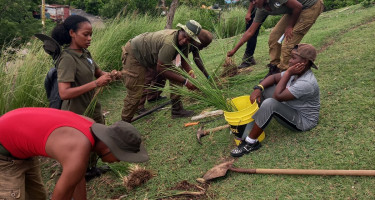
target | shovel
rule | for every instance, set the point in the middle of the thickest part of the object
(221, 169)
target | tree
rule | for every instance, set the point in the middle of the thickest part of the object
(171, 13)
(16, 21)
(112, 8)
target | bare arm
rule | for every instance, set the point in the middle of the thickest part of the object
(199, 63)
(80, 190)
(247, 35)
(249, 10)
(66, 91)
(296, 8)
(169, 74)
(73, 158)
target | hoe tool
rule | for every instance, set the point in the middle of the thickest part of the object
(201, 132)
(221, 169)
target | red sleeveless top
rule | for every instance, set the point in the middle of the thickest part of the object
(24, 131)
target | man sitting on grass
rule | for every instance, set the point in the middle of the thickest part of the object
(292, 97)
(65, 136)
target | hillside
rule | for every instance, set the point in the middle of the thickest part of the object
(343, 139)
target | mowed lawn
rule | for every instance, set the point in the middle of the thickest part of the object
(343, 139)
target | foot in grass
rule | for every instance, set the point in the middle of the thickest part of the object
(245, 148)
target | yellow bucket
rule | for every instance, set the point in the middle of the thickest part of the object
(241, 121)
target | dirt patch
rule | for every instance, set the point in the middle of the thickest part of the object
(229, 68)
(137, 177)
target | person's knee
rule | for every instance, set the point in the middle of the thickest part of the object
(269, 104)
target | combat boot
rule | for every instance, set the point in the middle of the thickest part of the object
(178, 110)
(273, 69)
(247, 61)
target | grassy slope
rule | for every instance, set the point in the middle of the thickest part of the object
(343, 139)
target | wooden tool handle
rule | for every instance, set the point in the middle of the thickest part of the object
(323, 172)
(217, 128)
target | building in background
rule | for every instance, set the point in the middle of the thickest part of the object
(57, 12)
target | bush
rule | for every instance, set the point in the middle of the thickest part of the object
(368, 3)
(207, 18)
(112, 8)
(232, 22)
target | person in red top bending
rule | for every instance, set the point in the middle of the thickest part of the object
(62, 135)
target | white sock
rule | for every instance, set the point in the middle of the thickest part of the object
(249, 140)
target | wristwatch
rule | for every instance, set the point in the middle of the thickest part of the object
(258, 87)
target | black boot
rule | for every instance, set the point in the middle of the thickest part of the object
(179, 111)
(247, 61)
(273, 69)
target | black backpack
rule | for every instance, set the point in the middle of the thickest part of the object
(53, 48)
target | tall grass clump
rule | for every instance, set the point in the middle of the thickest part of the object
(232, 22)
(107, 42)
(22, 77)
(210, 90)
(206, 18)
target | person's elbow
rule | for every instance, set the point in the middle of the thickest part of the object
(297, 8)
(64, 95)
(277, 97)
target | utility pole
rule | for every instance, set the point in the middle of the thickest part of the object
(43, 14)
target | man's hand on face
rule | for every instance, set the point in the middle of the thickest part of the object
(296, 69)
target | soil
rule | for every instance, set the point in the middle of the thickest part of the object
(137, 177)
(229, 68)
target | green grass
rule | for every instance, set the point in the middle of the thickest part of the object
(343, 139)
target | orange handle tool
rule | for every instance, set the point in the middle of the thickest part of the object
(190, 124)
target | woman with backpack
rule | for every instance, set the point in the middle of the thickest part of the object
(77, 73)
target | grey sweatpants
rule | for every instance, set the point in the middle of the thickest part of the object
(270, 107)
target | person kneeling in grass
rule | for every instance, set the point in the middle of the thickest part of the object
(292, 97)
(26, 133)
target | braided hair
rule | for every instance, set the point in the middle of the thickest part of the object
(61, 31)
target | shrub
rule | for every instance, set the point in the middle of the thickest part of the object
(205, 17)
(368, 3)
(232, 22)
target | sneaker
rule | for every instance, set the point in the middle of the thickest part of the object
(244, 148)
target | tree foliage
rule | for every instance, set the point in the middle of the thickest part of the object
(16, 21)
